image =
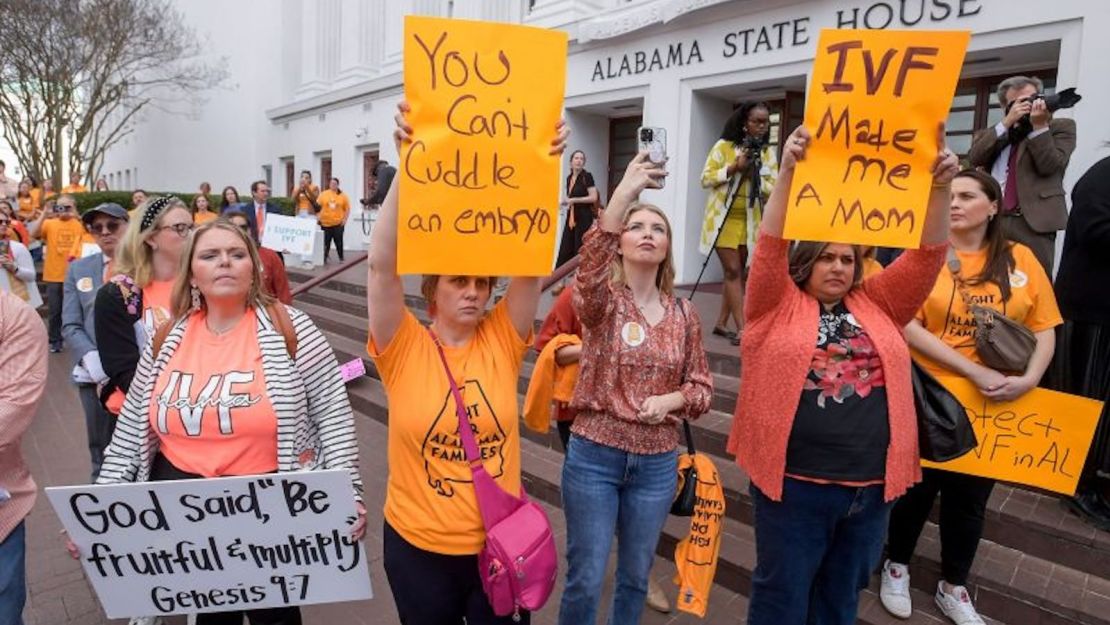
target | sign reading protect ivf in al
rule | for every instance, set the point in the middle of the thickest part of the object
(213, 545)
(875, 101)
(1040, 439)
(479, 191)
(282, 233)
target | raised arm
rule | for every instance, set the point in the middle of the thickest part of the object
(385, 294)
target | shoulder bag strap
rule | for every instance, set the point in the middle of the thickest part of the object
(279, 315)
(686, 422)
(954, 267)
(470, 446)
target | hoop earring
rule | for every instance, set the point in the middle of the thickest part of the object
(195, 293)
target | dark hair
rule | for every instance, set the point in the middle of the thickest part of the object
(2, 163)
(229, 215)
(193, 203)
(1000, 255)
(336, 183)
(254, 185)
(223, 196)
(734, 130)
(804, 255)
(305, 171)
(576, 152)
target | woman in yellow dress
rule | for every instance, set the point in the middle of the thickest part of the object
(741, 154)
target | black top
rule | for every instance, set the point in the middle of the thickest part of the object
(582, 184)
(115, 337)
(841, 430)
(1081, 282)
(384, 172)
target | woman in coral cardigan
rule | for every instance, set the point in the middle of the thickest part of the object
(826, 429)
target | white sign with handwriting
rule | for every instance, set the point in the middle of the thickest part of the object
(217, 545)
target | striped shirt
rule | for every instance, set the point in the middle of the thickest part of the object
(315, 426)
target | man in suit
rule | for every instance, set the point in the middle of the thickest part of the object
(1027, 153)
(259, 206)
(107, 224)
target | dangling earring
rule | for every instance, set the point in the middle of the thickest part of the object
(195, 292)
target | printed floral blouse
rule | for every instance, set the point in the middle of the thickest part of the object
(625, 360)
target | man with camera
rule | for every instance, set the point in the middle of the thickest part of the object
(59, 229)
(1027, 153)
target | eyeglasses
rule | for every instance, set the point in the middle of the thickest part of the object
(110, 227)
(5, 222)
(182, 230)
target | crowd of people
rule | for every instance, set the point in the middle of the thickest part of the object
(825, 424)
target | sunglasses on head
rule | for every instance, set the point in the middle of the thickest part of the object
(108, 227)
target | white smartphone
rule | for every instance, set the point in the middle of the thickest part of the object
(654, 141)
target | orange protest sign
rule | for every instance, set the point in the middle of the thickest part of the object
(479, 191)
(875, 99)
(1041, 439)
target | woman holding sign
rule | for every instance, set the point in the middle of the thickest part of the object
(283, 405)
(433, 529)
(643, 370)
(826, 428)
(1006, 277)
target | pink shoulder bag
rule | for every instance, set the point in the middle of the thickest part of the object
(519, 563)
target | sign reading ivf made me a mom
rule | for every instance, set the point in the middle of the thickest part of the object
(479, 191)
(874, 103)
(213, 545)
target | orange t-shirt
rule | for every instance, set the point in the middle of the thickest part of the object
(156, 305)
(430, 498)
(871, 267)
(74, 188)
(203, 218)
(27, 207)
(333, 208)
(211, 410)
(60, 236)
(156, 311)
(944, 314)
(79, 246)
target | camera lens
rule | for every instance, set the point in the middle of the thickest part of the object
(646, 135)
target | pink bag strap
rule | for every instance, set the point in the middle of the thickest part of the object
(470, 446)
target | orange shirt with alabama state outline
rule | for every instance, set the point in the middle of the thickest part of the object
(60, 236)
(1032, 303)
(211, 411)
(430, 498)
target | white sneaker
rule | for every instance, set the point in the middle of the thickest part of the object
(957, 606)
(895, 590)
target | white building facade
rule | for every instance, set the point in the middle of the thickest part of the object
(315, 83)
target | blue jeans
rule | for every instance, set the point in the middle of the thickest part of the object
(13, 578)
(606, 490)
(815, 551)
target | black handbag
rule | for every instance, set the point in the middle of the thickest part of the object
(944, 431)
(687, 495)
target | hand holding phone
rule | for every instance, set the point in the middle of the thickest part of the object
(653, 140)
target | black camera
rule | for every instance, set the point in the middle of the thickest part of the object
(647, 135)
(751, 145)
(1064, 99)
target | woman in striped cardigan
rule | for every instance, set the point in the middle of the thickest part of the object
(287, 411)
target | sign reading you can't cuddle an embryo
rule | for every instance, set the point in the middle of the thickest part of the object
(479, 191)
(217, 545)
(875, 101)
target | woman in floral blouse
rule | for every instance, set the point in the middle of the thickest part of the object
(825, 425)
(643, 369)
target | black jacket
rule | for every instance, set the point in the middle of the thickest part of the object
(1081, 288)
(384, 172)
(115, 337)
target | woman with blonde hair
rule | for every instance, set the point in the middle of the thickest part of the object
(642, 371)
(135, 301)
(292, 412)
